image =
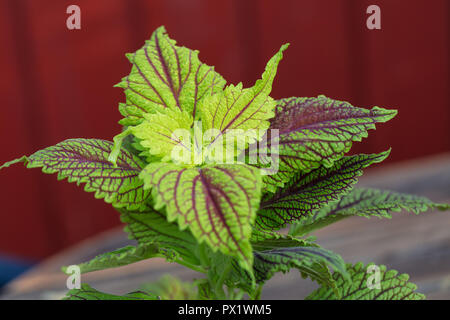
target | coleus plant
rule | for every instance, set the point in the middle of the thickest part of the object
(231, 215)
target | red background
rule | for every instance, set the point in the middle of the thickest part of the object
(57, 84)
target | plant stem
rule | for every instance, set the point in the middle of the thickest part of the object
(202, 255)
(257, 293)
(191, 266)
(236, 295)
(219, 284)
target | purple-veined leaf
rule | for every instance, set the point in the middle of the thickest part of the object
(267, 240)
(318, 131)
(165, 75)
(217, 203)
(151, 227)
(364, 202)
(310, 259)
(267, 263)
(391, 285)
(85, 161)
(307, 192)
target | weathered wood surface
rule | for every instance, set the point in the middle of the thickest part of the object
(417, 245)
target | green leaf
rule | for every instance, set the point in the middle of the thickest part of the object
(365, 202)
(392, 286)
(12, 162)
(217, 203)
(132, 144)
(310, 259)
(86, 161)
(265, 240)
(163, 76)
(86, 292)
(204, 289)
(122, 257)
(267, 263)
(158, 132)
(152, 228)
(315, 131)
(307, 192)
(242, 109)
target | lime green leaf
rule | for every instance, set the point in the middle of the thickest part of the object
(365, 202)
(158, 132)
(217, 203)
(164, 75)
(245, 109)
(86, 161)
(151, 227)
(307, 192)
(86, 292)
(366, 286)
(122, 257)
(315, 131)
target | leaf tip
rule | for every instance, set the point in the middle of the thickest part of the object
(387, 114)
(64, 269)
(443, 206)
(285, 46)
(23, 159)
(161, 29)
(383, 155)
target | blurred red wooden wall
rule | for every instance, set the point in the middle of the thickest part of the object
(57, 84)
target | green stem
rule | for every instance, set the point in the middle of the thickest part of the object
(219, 284)
(202, 255)
(233, 295)
(257, 293)
(191, 266)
